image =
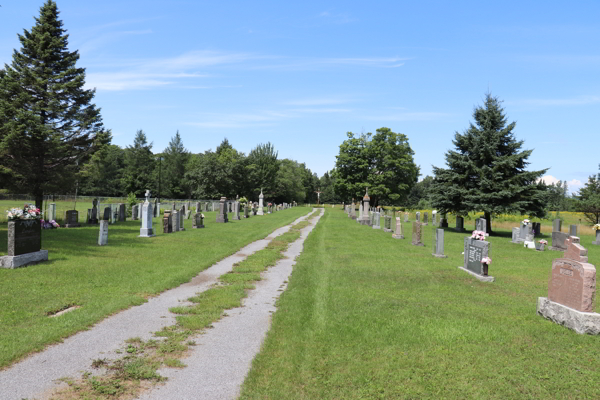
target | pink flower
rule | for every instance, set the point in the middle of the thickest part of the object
(486, 260)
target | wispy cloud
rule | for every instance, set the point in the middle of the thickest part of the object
(215, 120)
(336, 18)
(572, 101)
(408, 116)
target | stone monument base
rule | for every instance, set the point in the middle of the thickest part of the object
(23, 260)
(72, 225)
(580, 322)
(439, 255)
(376, 227)
(597, 242)
(482, 278)
(387, 230)
(398, 236)
(556, 248)
(149, 232)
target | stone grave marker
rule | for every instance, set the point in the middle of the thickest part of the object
(460, 224)
(93, 213)
(156, 209)
(405, 217)
(559, 241)
(571, 291)
(183, 209)
(167, 222)
(236, 207)
(198, 221)
(175, 220)
(147, 213)
(51, 212)
(360, 213)
(254, 208)
(529, 242)
(353, 211)
(181, 218)
(417, 234)
(597, 242)
(399, 234)
(122, 213)
(246, 210)
(481, 224)
(387, 223)
(434, 218)
(475, 252)
(438, 243)
(114, 214)
(515, 235)
(72, 218)
(103, 233)
(198, 207)
(107, 214)
(365, 217)
(536, 228)
(260, 203)
(188, 206)
(556, 225)
(376, 217)
(139, 210)
(24, 244)
(188, 213)
(134, 212)
(425, 218)
(222, 216)
(418, 216)
(444, 221)
(573, 230)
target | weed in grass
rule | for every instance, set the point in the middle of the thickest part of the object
(99, 363)
(174, 363)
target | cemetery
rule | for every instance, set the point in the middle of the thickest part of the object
(406, 270)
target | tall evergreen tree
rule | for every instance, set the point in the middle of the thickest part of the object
(486, 172)
(48, 125)
(589, 199)
(139, 166)
(262, 167)
(175, 158)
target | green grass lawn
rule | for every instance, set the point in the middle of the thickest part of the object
(369, 316)
(104, 280)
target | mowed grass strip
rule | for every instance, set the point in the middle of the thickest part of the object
(105, 280)
(369, 316)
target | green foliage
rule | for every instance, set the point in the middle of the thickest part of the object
(383, 163)
(418, 197)
(139, 165)
(102, 175)
(327, 187)
(289, 184)
(557, 196)
(175, 158)
(48, 125)
(486, 172)
(131, 201)
(261, 169)
(589, 202)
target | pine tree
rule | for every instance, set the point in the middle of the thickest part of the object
(139, 166)
(589, 199)
(48, 125)
(175, 159)
(486, 173)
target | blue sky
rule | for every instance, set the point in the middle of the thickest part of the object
(302, 74)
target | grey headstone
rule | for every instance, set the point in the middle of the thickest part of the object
(515, 235)
(72, 218)
(134, 212)
(556, 225)
(434, 218)
(475, 251)
(51, 212)
(198, 221)
(425, 218)
(597, 242)
(558, 241)
(418, 216)
(122, 212)
(573, 230)
(481, 224)
(175, 220)
(387, 225)
(103, 233)
(460, 224)
(181, 217)
(222, 216)
(438, 243)
(405, 217)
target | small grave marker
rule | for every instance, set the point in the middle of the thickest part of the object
(417, 234)
(399, 234)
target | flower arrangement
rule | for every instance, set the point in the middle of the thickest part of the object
(486, 260)
(543, 241)
(50, 225)
(28, 212)
(479, 235)
(270, 204)
(525, 222)
(596, 227)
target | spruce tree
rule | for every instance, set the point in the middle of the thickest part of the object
(175, 159)
(139, 166)
(48, 125)
(487, 170)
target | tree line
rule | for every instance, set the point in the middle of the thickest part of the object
(177, 173)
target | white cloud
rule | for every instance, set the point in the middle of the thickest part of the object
(548, 179)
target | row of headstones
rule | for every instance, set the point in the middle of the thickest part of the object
(572, 284)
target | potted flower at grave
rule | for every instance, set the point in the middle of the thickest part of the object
(541, 245)
(525, 222)
(485, 262)
(596, 228)
(24, 230)
(479, 235)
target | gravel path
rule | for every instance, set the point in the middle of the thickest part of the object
(223, 355)
(35, 377)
